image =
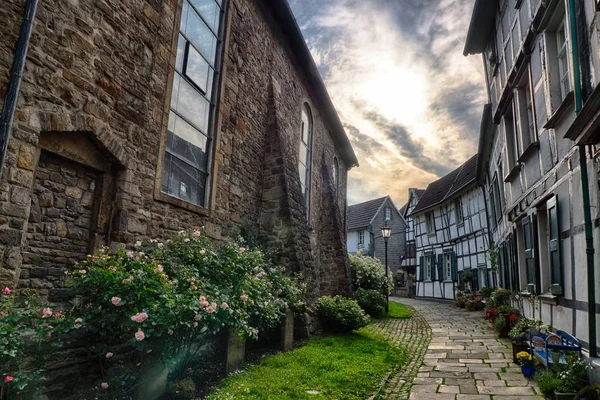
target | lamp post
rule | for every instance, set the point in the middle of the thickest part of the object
(386, 232)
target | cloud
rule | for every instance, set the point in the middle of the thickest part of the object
(409, 100)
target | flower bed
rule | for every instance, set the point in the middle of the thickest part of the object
(158, 303)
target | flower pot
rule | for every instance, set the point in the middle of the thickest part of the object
(504, 332)
(564, 396)
(518, 345)
(527, 370)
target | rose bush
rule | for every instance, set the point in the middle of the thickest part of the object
(369, 273)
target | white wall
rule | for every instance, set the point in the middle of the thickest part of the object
(352, 241)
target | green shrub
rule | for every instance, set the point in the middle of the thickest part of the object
(548, 382)
(341, 314)
(368, 273)
(486, 292)
(500, 324)
(371, 301)
(183, 389)
(501, 297)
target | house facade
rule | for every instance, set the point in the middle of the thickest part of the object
(364, 230)
(410, 262)
(451, 235)
(135, 121)
(542, 65)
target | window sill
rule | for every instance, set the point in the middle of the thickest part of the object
(555, 118)
(512, 173)
(528, 151)
(549, 298)
(166, 198)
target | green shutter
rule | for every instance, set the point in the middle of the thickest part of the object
(453, 267)
(487, 277)
(475, 283)
(554, 247)
(421, 269)
(440, 267)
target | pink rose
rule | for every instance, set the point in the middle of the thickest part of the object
(159, 269)
(195, 324)
(210, 310)
(202, 298)
(46, 313)
(139, 335)
(77, 326)
(6, 290)
(58, 315)
(78, 321)
(242, 249)
(116, 301)
(8, 378)
(213, 305)
(202, 252)
(244, 297)
(224, 305)
(104, 385)
(197, 317)
(204, 304)
(139, 317)
(109, 355)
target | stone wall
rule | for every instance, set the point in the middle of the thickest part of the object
(97, 83)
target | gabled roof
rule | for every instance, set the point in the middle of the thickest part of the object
(482, 23)
(448, 186)
(360, 215)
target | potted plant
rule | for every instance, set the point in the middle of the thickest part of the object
(491, 313)
(472, 305)
(460, 301)
(518, 334)
(525, 360)
(572, 378)
(501, 326)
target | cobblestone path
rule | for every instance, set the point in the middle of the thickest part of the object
(453, 355)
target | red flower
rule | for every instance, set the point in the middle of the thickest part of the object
(513, 317)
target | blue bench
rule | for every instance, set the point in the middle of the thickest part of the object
(540, 346)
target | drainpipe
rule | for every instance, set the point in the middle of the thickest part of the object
(585, 188)
(15, 77)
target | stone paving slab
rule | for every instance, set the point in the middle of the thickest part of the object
(460, 358)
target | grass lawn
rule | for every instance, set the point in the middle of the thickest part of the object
(398, 310)
(338, 367)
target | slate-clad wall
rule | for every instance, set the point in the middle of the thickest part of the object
(396, 243)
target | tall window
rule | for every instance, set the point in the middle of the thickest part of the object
(563, 59)
(361, 238)
(336, 174)
(458, 211)
(525, 118)
(509, 132)
(430, 223)
(192, 111)
(304, 157)
(388, 213)
(554, 247)
(428, 267)
(528, 242)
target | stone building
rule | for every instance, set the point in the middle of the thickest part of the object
(451, 234)
(364, 230)
(136, 119)
(409, 262)
(542, 65)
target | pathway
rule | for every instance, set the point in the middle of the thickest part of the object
(454, 355)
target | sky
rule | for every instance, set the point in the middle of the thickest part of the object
(409, 100)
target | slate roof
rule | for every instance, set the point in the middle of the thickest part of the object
(447, 186)
(360, 215)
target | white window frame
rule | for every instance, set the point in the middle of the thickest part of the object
(305, 148)
(388, 214)
(430, 223)
(562, 57)
(448, 266)
(361, 238)
(458, 211)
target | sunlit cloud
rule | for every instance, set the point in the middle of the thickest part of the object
(409, 100)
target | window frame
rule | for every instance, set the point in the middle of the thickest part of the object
(177, 68)
(361, 237)
(388, 214)
(562, 53)
(458, 212)
(307, 163)
(430, 223)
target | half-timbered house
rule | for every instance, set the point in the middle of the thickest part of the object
(451, 234)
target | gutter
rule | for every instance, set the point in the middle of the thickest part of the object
(589, 236)
(15, 78)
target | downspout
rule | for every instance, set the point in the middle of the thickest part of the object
(15, 78)
(589, 236)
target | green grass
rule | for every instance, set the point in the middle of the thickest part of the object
(337, 367)
(398, 310)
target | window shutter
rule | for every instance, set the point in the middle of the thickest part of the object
(554, 247)
(421, 269)
(475, 273)
(529, 253)
(487, 277)
(453, 267)
(440, 267)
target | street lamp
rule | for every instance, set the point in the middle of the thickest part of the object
(386, 232)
